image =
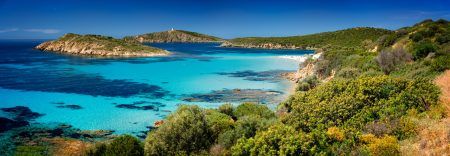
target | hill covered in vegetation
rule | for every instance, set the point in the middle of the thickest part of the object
(173, 36)
(97, 45)
(352, 37)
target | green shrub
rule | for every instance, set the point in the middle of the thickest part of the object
(184, 132)
(218, 122)
(125, 145)
(245, 127)
(384, 146)
(307, 83)
(246, 109)
(99, 149)
(353, 103)
(227, 109)
(441, 63)
(277, 140)
(422, 49)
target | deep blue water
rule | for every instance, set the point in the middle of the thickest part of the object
(126, 95)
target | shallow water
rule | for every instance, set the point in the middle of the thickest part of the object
(126, 95)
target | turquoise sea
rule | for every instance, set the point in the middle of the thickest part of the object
(127, 95)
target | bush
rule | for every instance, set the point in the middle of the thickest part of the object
(277, 140)
(422, 49)
(218, 122)
(441, 63)
(348, 73)
(353, 103)
(227, 109)
(125, 145)
(99, 149)
(390, 59)
(246, 109)
(385, 146)
(307, 83)
(184, 132)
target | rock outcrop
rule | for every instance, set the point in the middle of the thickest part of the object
(173, 36)
(96, 45)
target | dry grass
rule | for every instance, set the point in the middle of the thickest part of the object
(68, 147)
(433, 138)
(443, 81)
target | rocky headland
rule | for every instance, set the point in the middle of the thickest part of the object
(97, 45)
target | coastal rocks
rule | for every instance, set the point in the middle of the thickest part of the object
(235, 95)
(97, 45)
(306, 71)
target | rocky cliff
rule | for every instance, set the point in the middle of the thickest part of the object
(173, 36)
(96, 45)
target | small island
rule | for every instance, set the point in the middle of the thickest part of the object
(97, 45)
(173, 36)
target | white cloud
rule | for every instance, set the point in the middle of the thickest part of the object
(45, 31)
(8, 30)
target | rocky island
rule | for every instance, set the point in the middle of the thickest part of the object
(173, 36)
(97, 45)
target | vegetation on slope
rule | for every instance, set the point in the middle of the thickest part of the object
(173, 36)
(348, 38)
(98, 45)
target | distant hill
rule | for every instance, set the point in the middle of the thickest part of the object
(98, 45)
(343, 38)
(173, 36)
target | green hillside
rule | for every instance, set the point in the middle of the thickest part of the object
(173, 36)
(353, 37)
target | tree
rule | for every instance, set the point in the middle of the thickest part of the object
(184, 132)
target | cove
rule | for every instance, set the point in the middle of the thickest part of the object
(127, 95)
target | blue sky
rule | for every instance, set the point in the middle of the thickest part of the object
(47, 19)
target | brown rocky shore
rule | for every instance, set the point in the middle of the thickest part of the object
(96, 45)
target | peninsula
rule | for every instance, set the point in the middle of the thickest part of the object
(173, 36)
(97, 45)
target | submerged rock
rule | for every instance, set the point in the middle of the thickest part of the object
(235, 95)
(73, 107)
(21, 113)
(133, 106)
(7, 124)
